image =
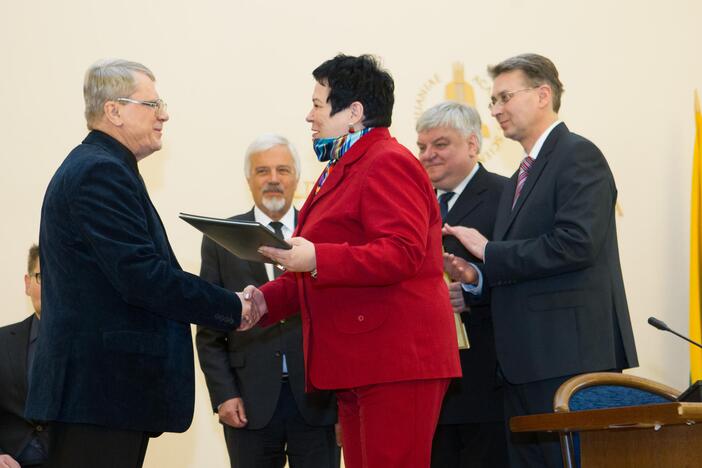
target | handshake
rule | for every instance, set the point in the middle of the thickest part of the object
(253, 307)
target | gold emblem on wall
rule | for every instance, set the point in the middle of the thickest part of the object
(460, 91)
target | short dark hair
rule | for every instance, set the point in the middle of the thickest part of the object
(359, 79)
(32, 258)
(538, 70)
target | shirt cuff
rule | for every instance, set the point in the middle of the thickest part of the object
(474, 289)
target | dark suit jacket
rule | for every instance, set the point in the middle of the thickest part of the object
(115, 347)
(558, 300)
(475, 397)
(15, 430)
(249, 364)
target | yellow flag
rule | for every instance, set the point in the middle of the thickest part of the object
(696, 250)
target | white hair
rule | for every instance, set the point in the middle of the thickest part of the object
(266, 142)
(462, 118)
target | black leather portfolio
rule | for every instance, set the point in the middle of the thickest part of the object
(242, 238)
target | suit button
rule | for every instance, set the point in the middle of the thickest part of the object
(361, 318)
(39, 428)
(278, 354)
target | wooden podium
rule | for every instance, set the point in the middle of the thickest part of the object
(666, 435)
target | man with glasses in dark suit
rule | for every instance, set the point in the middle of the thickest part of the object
(23, 442)
(115, 356)
(552, 268)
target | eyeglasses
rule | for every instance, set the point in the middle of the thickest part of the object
(156, 104)
(505, 96)
(37, 277)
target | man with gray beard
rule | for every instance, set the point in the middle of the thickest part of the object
(256, 378)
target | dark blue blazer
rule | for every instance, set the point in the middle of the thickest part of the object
(115, 347)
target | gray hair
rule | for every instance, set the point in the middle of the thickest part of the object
(266, 142)
(462, 118)
(538, 70)
(107, 80)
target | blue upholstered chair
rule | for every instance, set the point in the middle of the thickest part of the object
(599, 390)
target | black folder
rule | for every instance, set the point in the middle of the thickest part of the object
(242, 238)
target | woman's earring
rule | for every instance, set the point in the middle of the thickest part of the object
(352, 129)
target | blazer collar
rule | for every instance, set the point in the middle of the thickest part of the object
(469, 199)
(113, 147)
(533, 177)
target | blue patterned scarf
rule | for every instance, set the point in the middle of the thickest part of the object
(332, 149)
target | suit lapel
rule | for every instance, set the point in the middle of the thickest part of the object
(18, 341)
(470, 198)
(503, 222)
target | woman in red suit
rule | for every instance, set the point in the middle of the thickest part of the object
(365, 272)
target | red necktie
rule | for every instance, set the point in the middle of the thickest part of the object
(522, 177)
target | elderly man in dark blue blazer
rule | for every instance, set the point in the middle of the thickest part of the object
(115, 362)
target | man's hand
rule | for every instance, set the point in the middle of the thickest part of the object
(459, 269)
(456, 297)
(7, 461)
(253, 307)
(301, 257)
(469, 237)
(232, 413)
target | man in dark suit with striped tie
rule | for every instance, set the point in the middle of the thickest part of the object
(256, 378)
(551, 269)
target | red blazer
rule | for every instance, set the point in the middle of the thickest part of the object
(378, 310)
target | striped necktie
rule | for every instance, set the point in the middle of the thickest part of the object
(522, 177)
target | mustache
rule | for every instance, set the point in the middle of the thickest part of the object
(275, 188)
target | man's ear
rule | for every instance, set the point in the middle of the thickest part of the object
(27, 281)
(473, 146)
(545, 95)
(112, 113)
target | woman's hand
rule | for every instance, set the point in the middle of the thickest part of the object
(301, 257)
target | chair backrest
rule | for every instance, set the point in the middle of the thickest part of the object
(604, 390)
(610, 390)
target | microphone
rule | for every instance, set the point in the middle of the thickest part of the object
(694, 392)
(659, 324)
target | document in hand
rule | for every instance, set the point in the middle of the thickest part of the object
(242, 238)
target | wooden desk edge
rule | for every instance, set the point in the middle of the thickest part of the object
(627, 417)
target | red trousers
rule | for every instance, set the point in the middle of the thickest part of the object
(390, 425)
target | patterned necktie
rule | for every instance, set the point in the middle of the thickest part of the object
(444, 199)
(522, 177)
(278, 229)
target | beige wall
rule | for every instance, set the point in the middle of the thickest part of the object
(232, 70)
